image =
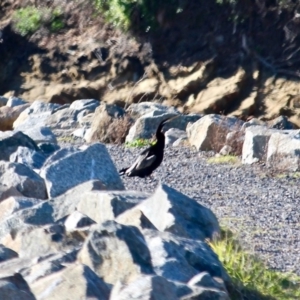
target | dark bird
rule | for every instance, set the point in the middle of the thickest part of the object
(150, 158)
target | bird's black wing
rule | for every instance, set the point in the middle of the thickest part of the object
(144, 160)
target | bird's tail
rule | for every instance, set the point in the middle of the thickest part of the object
(123, 171)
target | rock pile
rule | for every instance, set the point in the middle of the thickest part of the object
(69, 229)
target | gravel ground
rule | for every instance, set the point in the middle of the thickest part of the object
(263, 211)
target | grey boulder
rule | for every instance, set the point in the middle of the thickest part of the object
(24, 179)
(6, 253)
(136, 110)
(73, 282)
(209, 132)
(41, 134)
(29, 157)
(144, 288)
(14, 101)
(170, 211)
(88, 105)
(94, 162)
(255, 145)
(116, 252)
(284, 150)
(10, 141)
(14, 287)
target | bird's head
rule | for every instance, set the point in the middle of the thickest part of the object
(162, 123)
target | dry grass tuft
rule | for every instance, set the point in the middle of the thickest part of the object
(236, 140)
(118, 130)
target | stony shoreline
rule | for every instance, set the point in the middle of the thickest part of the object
(263, 211)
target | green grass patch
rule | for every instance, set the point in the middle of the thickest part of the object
(224, 159)
(29, 19)
(250, 277)
(292, 175)
(138, 15)
(139, 143)
(66, 139)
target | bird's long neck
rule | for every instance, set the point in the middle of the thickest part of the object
(160, 137)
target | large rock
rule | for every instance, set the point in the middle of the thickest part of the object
(77, 220)
(29, 157)
(15, 101)
(33, 242)
(25, 180)
(255, 145)
(281, 122)
(3, 101)
(180, 259)
(209, 133)
(41, 134)
(116, 252)
(8, 116)
(62, 118)
(73, 282)
(103, 206)
(15, 288)
(13, 204)
(92, 163)
(145, 287)
(145, 127)
(204, 279)
(170, 211)
(284, 150)
(68, 116)
(8, 191)
(173, 135)
(6, 253)
(10, 141)
(39, 267)
(87, 105)
(35, 115)
(137, 110)
(206, 294)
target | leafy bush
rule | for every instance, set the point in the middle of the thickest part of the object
(138, 14)
(29, 19)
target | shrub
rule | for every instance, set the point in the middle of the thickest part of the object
(138, 14)
(118, 130)
(29, 19)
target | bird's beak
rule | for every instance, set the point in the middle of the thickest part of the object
(172, 118)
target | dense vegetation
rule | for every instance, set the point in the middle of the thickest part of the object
(29, 19)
